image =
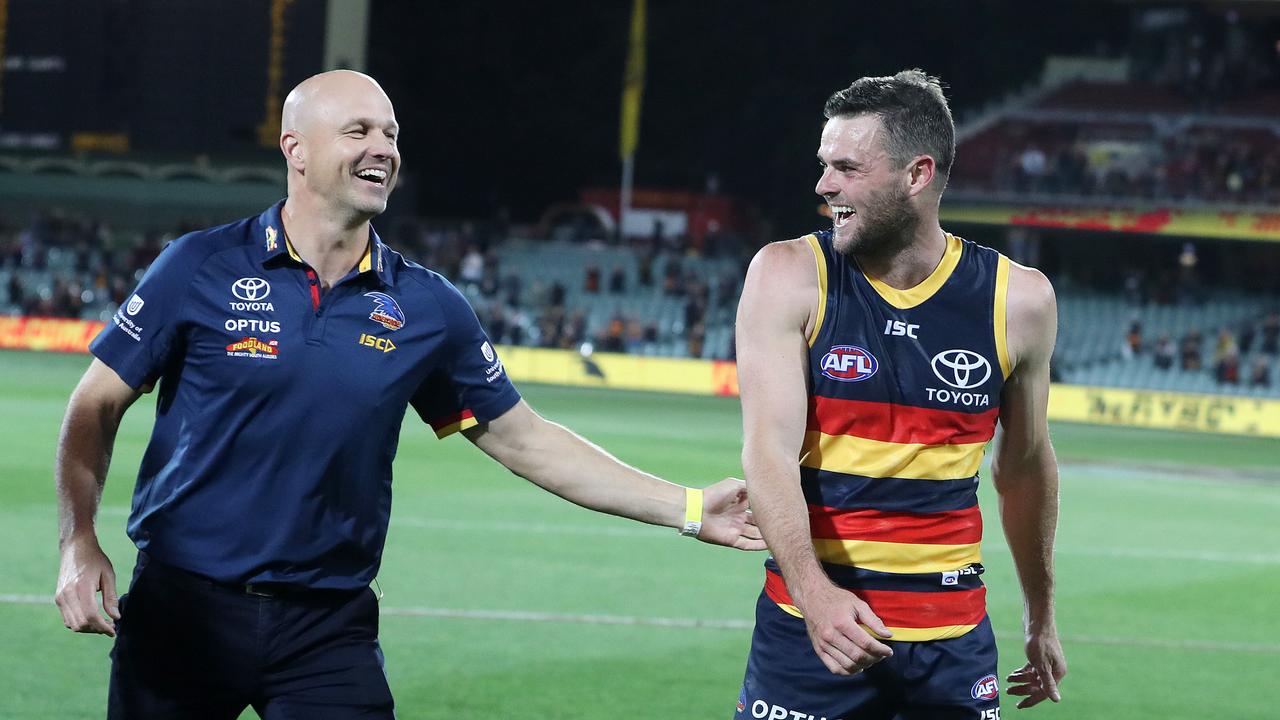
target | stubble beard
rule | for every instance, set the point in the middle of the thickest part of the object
(886, 224)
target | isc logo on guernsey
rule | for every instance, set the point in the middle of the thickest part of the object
(849, 363)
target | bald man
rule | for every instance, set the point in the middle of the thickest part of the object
(286, 349)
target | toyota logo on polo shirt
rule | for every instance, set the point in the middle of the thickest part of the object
(251, 289)
(959, 368)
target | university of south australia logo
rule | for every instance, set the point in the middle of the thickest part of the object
(849, 363)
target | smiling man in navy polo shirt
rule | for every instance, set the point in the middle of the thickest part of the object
(286, 349)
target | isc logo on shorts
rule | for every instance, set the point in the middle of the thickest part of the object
(986, 688)
(849, 363)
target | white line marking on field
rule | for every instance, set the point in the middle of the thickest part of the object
(652, 532)
(734, 624)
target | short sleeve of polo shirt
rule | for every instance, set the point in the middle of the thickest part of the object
(471, 385)
(138, 340)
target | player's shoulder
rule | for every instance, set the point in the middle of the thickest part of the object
(1030, 292)
(793, 260)
(192, 249)
(420, 280)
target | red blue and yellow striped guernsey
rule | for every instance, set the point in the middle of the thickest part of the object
(904, 396)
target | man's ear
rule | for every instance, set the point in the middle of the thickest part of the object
(922, 173)
(294, 152)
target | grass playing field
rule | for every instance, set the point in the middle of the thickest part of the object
(503, 601)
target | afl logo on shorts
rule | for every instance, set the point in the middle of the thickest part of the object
(849, 363)
(986, 688)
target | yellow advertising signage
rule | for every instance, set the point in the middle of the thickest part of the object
(1258, 226)
(54, 334)
(1165, 410)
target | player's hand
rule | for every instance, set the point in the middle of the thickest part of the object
(85, 571)
(1045, 668)
(835, 620)
(726, 518)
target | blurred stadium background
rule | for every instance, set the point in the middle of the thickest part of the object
(1129, 149)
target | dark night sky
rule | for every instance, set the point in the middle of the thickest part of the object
(516, 104)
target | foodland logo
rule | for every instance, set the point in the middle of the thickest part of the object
(849, 363)
(986, 688)
(253, 346)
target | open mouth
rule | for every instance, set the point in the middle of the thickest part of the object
(374, 176)
(840, 214)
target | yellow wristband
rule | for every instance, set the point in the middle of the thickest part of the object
(692, 512)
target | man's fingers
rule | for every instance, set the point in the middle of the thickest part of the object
(871, 620)
(110, 601)
(1048, 683)
(1031, 700)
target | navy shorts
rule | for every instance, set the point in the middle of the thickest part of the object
(188, 647)
(937, 680)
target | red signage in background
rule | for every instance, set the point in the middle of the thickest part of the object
(48, 334)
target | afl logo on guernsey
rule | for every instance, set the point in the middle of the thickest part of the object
(849, 363)
(987, 688)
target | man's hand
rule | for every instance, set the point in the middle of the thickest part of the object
(726, 519)
(1046, 666)
(834, 618)
(85, 571)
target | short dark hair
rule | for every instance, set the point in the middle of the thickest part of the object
(913, 110)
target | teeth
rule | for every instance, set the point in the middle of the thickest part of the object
(374, 174)
(841, 209)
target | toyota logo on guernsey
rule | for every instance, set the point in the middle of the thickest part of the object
(849, 363)
(961, 369)
(251, 289)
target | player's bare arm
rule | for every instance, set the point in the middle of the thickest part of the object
(1025, 474)
(84, 454)
(775, 316)
(564, 463)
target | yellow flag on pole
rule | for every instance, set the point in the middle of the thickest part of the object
(633, 84)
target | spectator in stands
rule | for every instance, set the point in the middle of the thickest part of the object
(1271, 333)
(673, 277)
(1163, 353)
(1192, 350)
(697, 339)
(1227, 368)
(591, 285)
(16, 295)
(1132, 340)
(618, 280)
(1032, 166)
(471, 272)
(1260, 376)
(613, 338)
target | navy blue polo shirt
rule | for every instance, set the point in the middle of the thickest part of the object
(279, 406)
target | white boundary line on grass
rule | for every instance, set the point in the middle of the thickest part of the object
(523, 528)
(735, 624)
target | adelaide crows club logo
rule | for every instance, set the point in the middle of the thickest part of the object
(386, 312)
(849, 363)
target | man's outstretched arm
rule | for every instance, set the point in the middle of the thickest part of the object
(80, 471)
(560, 461)
(778, 300)
(1025, 475)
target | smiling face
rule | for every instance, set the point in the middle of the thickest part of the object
(867, 192)
(340, 135)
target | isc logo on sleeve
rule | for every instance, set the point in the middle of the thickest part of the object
(849, 363)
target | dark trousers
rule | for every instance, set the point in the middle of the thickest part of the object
(939, 680)
(188, 647)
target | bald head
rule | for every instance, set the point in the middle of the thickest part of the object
(338, 133)
(321, 96)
